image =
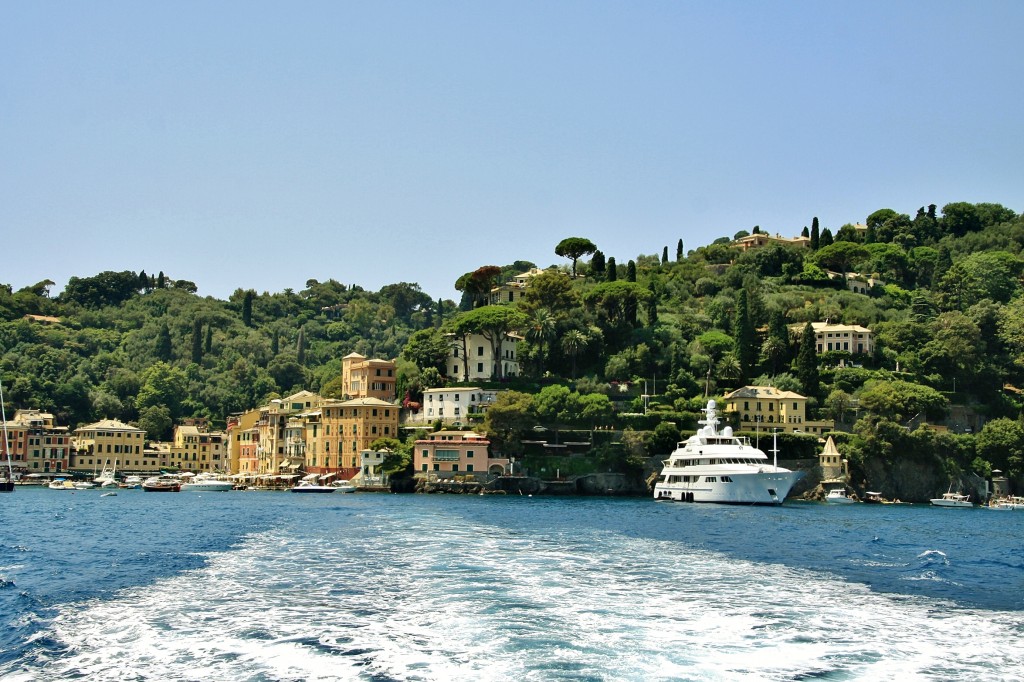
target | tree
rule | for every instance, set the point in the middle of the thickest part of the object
(540, 331)
(826, 237)
(574, 248)
(428, 348)
(613, 274)
(510, 415)
(807, 362)
(477, 285)
(164, 385)
(679, 251)
(1001, 442)
(493, 322)
(746, 336)
(815, 234)
(664, 256)
(197, 341)
(208, 345)
(246, 307)
(960, 217)
(902, 400)
(597, 265)
(163, 343)
(631, 271)
(300, 348)
(573, 343)
(156, 421)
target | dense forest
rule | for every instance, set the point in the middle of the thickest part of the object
(943, 297)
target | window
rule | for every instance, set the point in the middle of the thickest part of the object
(469, 454)
(479, 351)
(480, 367)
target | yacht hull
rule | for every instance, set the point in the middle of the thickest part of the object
(766, 488)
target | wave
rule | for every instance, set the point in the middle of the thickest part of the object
(432, 597)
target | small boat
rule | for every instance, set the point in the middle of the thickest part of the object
(60, 484)
(84, 485)
(110, 493)
(310, 487)
(7, 482)
(162, 484)
(207, 483)
(131, 483)
(344, 487)
(951, 499)
(874, 497)
(838, 496)
(1008, 502)
(716, 466)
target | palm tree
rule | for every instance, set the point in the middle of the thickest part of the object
(540, 332)
(573, 343)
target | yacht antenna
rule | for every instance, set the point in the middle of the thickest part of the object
(775, 448)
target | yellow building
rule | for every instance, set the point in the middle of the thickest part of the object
(242, 437)
(196, 449)
(851, 338)
(271, 452)
(343, 429)
(110, 441)
(759, 240)
(362, 378)
(766, 407)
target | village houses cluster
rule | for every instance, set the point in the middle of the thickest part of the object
(305, 434)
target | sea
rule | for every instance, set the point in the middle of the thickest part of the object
(273, 586)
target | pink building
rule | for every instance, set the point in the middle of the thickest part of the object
(445, 454)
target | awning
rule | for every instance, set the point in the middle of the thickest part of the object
(309, 477)
(327, 477)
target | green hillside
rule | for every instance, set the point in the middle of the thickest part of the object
(943, 296)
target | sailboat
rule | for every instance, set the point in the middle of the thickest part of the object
(107, 479)
(6, 483)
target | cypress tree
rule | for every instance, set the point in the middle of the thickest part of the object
(652, 305)
(826, 238)
(161, 281)
(275, 343)
(746, 336)
(807, 362)
(597, 264)
(679, 251)
(163, 343)
(664, 255)
(208, 346)
(300, 348)
(247, 308)
(197, 341)
(815, 235)
(630, 271)
(612, 273)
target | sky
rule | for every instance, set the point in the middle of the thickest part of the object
(258, 145)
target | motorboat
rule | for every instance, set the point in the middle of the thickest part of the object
(874, 497)
(60, 484)
(162, 484)
(84, 485)
(951, 499)
(717, 466)
(343, 486)
(838, 496)
(1009, 502)
(311, 487)
(131, 482)
(207, 483)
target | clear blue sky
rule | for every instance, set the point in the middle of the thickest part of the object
(261, 144)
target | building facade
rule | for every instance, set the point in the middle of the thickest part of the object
(446, 454)
(452, 405)
(110, 441)
(481, 363)
(344, 429)
(766, 407)
(37, 444)
(197, 449)
(363, 378)
(850, 338)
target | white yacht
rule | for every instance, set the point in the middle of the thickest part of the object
(952, 499)
(207, 483)
(713, 466)
(838, 496)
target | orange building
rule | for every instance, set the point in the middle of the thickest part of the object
(362, 378)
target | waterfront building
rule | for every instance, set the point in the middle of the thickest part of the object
(242, 435)
(112, 442)
(37, 444)
(342, 429)
(766, 407)
(195, 448)
(271, 425)
(833, 466)
(363, 378)
(446, 454)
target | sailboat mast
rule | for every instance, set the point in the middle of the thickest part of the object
(7, 447)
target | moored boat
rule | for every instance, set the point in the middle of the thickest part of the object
(311, 487)
(162, 484)
(60, 484)
(1008, 502)
(207, 483)
(713, 466)
(838, 496)
(7, 482)
(951, 499)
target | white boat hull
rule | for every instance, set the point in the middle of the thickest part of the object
(951, 503)
(769, 488)
(208, 486)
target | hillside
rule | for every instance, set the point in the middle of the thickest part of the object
(940, 290)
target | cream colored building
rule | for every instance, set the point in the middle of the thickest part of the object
(759, 240)
(766, 407)
(481, 363)
(110, 441)
(342, 429)
(851, 338)
(271, 452)
(452, 404)
(513, 290)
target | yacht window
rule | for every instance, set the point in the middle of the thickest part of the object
(726, 479)
(710, 479)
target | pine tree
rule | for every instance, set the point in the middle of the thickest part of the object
(612, 271)
(807, 362)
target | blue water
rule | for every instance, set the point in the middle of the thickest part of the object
(274, 586)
